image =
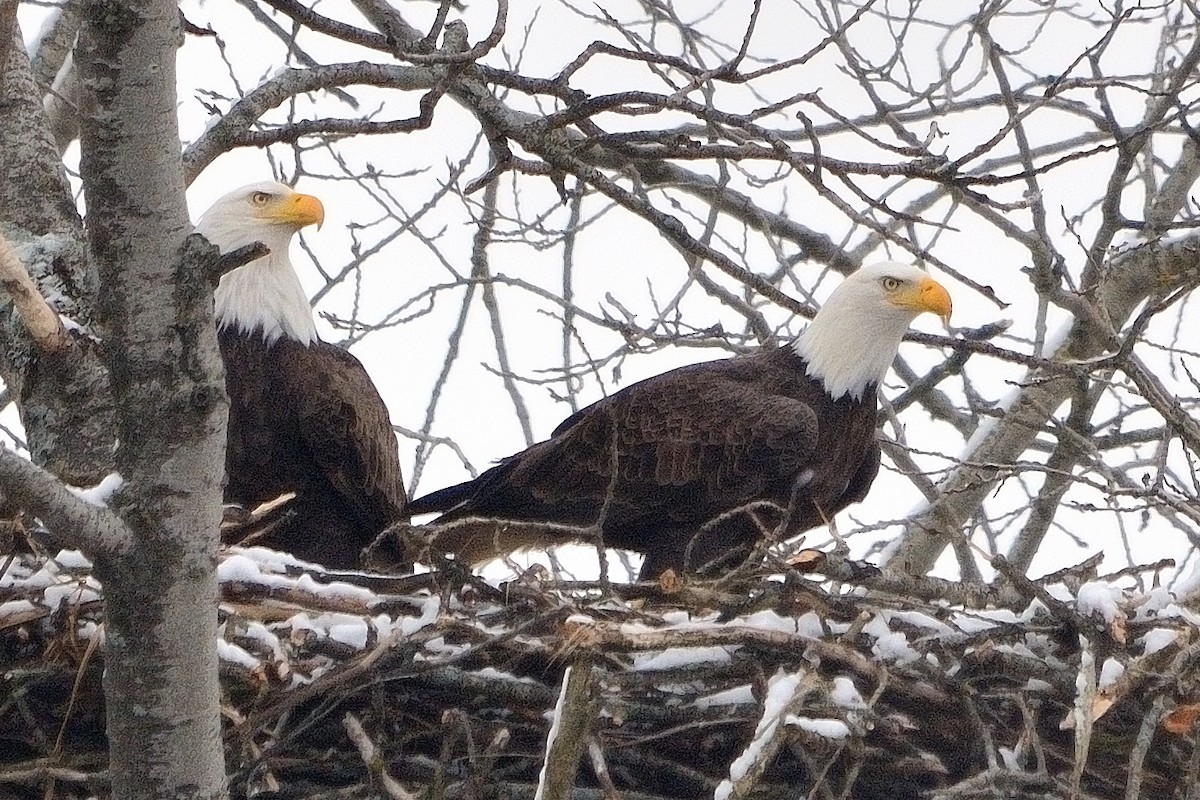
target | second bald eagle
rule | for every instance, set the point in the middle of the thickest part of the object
(304, 416)
(694, 466)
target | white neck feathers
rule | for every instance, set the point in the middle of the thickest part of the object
(853, 339)
(266, 296)
(847, 362)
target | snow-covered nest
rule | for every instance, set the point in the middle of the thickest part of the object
(828, 681)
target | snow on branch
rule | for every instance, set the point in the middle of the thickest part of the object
(73, 518)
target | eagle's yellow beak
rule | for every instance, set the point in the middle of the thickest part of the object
(928, 295)
(297, 210)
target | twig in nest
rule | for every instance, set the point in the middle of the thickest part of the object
(245, 526)
(600, 768)
(79, 673)
(480, 777)
(577, 707)
(374, 761)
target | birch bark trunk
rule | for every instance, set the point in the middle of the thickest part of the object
(155, 305)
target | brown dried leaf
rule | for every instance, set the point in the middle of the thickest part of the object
(1101, 704)
(1182, 719)
(1119, 630)
(807, 558)
(670, 582)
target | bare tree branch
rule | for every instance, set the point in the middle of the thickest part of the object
(72, 522)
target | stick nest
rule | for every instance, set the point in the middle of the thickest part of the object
(825, 680)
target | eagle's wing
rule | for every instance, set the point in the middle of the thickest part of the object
(685, 445)
(345, 425)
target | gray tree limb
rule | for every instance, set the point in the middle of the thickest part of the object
(1129, 280)
(64, 397)
(73, 522)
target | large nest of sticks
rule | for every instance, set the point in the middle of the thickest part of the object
(828, 680)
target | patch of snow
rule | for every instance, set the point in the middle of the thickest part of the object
(828, 728)
(890, 646)
(89, 630)
(1038, 646)
(231, 653)
(1110, 673)
(681, 618)
(353, 633)
(845, 694)
(14, 607)
(1035, 609)
(1155, 600)
(807, 624)
(1100, 598)
(102, 492)
(674, 621)
(437, 649)
(1156, 639)
(238, 568)
(837, 628)
(492, 672)
(1176, 610)
(429, 614)
(73, 559)
(738, 695)
(17, 574)
(241, 567)
(1018, 649)
(339, 590)
(348, 629)
(73, 592)
(974, 623)
(780, 690)
(48, 575)
(1037, 685)
(674, 657)
(275, 560)
(921, 620)
(260, 633)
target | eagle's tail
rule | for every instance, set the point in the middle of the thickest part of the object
(443, 499)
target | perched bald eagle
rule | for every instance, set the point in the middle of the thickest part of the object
(787, 435)
(304, 416)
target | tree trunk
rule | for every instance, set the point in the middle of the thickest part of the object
(66, 407)
(156, 308)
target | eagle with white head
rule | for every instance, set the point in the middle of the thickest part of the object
(304, 416)
(692, 466)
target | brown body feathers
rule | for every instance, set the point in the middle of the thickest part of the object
(687, 446)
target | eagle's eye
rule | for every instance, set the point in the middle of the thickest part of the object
(260, 198)
(890, 284)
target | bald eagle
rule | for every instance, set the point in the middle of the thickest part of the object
(304, 416)
(694, 466)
